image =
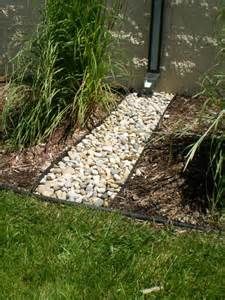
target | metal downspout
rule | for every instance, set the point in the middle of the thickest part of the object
(155, 43)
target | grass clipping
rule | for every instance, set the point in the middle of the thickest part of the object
(60, 74)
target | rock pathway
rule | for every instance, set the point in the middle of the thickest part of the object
(94, 170)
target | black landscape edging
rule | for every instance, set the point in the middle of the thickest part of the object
(135, 216)
(131, 215)
(55, 161)
(159, 219)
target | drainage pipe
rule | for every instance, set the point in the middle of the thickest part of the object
(155, 43)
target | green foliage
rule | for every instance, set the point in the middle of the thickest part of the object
(52, 251)
(61, 73)
(213, 87)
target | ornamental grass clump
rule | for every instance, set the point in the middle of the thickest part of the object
(61, 72)
(213, 87)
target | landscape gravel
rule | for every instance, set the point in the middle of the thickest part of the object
(96, 168)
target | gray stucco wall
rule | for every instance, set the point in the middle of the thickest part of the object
(18, 19)
(189, 43)
(188, 39)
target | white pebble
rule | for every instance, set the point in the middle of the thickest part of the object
(95, 169)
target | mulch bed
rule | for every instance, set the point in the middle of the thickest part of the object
(159, 186)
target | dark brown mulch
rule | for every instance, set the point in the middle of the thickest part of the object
(23, 168)
(159, 186)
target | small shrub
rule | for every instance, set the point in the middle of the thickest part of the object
(60, 74)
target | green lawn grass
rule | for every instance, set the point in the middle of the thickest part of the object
(50, 251)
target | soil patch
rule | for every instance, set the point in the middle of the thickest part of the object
(159, 186)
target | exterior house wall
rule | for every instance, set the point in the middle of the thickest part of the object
(189, 44)
(188, 48)
(18, 18)
(188, 39)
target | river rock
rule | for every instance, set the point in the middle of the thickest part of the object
(95, 168)
(45, 191)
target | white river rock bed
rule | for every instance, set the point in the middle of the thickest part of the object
(96, 168)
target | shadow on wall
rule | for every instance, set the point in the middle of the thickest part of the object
(17, 20)
(188, 40)
(133, 37)
(189, 44)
